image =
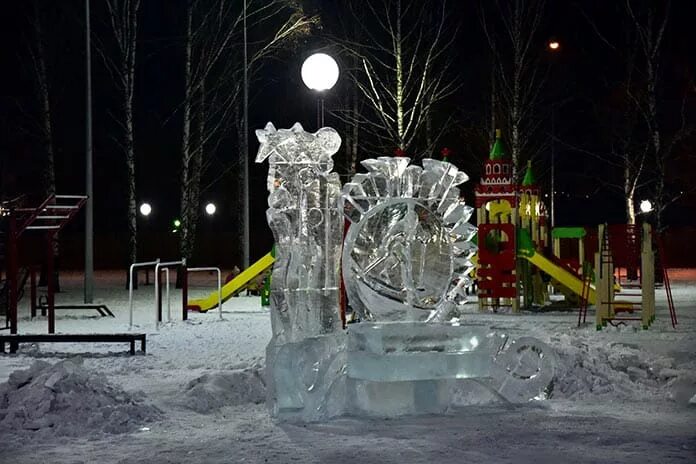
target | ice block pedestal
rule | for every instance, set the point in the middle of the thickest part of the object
(398, 368)
(404, 368)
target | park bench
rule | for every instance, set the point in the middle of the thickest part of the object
(16, 339)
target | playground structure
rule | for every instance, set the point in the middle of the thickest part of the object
(234, 286)
(52, 215)
(512, 266)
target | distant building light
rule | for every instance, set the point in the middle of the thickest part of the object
(210, 209)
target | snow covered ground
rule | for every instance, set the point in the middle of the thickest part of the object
(622, 395)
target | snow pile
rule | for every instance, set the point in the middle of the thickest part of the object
(618, 371)
(66, 399)
(212, 391)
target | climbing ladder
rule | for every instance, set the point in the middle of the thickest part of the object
(667, 284)
(587, 279)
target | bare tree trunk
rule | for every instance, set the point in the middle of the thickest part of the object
(46, 129)
(494, 110)
(49, 176)
(123, 17)
(129, 139)
(399, 79)
(186, 155)
(629, 191)
(355, 131)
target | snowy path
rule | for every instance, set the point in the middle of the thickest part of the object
(621, 395)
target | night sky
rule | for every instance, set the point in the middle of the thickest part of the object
(578, 79)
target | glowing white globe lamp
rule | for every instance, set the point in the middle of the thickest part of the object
(646, 206)
(145, 209)
(320, 72)
(210, 209)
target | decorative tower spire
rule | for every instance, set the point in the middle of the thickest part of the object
(528, 180)
(497, 152)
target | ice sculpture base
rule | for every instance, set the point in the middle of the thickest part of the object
(404, 368)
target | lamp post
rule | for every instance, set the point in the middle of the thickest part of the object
(89, 207)
(319, 73)
(554, 46)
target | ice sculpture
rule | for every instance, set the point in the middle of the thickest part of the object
(407, 256)
(408, 247)
(307, 226)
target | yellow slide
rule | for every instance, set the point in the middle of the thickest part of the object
(563, 276)
(233, 286)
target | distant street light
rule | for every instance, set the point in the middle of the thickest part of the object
(145, 209)
(210, 209)
(320, 72)
(646, 206)
(554, 45)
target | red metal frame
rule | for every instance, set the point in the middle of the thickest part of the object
(16, 230)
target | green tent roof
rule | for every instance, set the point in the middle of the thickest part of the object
(528, 176)
(497, 152)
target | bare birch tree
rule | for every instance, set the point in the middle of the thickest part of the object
(38, 59)
(512, 29)
(402, 55)
(123, 20)
(638, 138)
(649, 21)
(213, 67)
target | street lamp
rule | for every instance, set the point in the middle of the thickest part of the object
(646, 206)
(319, 73)
(145, 209)
(210, 209)
(554, 46)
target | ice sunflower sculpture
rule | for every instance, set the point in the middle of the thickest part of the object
(407, 253)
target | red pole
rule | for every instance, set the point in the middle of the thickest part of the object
(184, 291)
(12, 273)
(159, 295)
(50, 284)
(33, 291)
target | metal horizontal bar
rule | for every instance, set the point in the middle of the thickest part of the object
(170, 263)
(144, 263)
(60, 207)
(71, 197)
(198, 269)
(42, 227)
(52, 217)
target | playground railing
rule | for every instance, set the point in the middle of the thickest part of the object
(130, 286)
(158, 296)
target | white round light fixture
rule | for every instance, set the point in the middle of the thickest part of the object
(645, 206)
(145, 209)
(319, 72)
(210, 209)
